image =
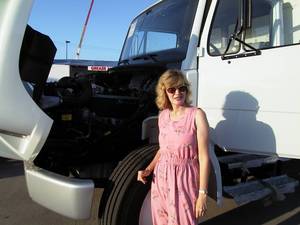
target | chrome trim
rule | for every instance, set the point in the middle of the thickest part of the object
(67, 196)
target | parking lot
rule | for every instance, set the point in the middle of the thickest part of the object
(16, 207)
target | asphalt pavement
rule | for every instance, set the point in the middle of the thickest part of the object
(16, 207)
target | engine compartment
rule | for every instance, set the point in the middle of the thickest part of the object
(99, 118)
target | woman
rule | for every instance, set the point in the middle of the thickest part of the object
(181, 166)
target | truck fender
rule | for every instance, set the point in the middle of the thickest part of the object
(150, 129)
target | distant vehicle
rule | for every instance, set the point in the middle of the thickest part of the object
(76, 134)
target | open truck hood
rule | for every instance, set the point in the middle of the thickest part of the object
(24, 127)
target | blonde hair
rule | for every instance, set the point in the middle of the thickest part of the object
(170, 78)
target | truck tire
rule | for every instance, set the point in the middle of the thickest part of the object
(127, 201)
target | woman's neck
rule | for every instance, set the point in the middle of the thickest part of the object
(177, 110)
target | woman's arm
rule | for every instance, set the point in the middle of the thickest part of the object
(152, 164)
(204, 161)
(143, 174)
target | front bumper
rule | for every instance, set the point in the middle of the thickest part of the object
(67, 196)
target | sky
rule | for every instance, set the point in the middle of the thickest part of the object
(63, 20)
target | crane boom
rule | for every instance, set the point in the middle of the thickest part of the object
(84, 29)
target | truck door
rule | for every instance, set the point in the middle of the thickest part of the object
(23, 125)
(249, 86)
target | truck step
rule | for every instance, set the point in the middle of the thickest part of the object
(248, 160)
(274, 187)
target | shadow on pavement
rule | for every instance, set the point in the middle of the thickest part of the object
(10, 168)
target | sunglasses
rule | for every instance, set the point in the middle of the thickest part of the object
(172, 90)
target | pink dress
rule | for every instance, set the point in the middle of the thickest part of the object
(175, 183)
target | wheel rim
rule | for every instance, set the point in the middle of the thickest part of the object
(145, 213)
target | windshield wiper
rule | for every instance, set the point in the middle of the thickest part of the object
(141, 57)
(147, 57)
(124, 61)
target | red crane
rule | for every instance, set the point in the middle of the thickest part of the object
(83, 30)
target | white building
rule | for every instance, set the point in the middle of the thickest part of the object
(62, 68)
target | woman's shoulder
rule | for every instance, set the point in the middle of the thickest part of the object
(162, 114)
(200, 116)
(163, 111)
(200, 112)
(197, 111)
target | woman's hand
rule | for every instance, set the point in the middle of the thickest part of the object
(201, 206)
(142, 175)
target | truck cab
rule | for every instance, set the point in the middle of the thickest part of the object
(96, 131)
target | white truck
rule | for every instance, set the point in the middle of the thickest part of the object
(241, 59)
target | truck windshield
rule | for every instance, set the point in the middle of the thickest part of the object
(164, 28)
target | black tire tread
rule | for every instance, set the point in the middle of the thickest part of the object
(122, 177)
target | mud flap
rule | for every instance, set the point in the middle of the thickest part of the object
(215, 179)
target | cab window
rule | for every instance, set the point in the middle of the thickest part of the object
(224, 24)
(274, 23)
